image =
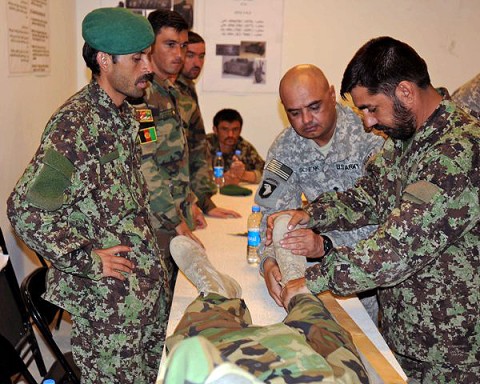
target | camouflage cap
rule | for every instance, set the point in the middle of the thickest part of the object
(117, 31)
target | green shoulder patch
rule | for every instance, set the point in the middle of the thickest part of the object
(51, 182)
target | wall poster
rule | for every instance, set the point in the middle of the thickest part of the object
(28, 36)
(244, 39)
(144, 7)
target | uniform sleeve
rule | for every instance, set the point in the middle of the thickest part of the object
(439, 205)
(165, 212)
(277, 191)
(43, 208)
(254, 162)
(201, 172)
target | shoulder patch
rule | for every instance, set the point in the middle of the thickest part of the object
(279, 169)
(51, 182)
(274, 182)
(420, 192)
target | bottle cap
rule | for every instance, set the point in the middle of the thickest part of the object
(255, 208)
(238, 152)
(219, 153)
(48, 381)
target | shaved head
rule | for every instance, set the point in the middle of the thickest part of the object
(300, 76)
(309, 102)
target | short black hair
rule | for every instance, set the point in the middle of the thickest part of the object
(165, 18)
(194, 38)
(381, 64)
(90, 56)
(227, 114)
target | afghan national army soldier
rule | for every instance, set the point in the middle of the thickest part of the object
(422, 190)
(82, 204)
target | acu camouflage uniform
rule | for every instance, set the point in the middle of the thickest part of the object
(201, 171)
(248, 155)
(468, 95)
(424, 195)
(83, 190)
(308, 347)
(296, 166)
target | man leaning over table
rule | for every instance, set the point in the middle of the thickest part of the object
(215, 340)
(82, 204)
(325, 149)
(423, 192)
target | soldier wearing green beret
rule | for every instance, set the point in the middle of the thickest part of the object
(82, 203)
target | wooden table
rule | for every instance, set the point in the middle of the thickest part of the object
(227, 251)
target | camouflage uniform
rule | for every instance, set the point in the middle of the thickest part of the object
(165, 161)
(201, 171)
(296, 166)
(468, 95)
(83, 190)
(424, 195)
(309, 346)
(248, 156)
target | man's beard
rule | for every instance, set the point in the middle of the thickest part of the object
(404, 122)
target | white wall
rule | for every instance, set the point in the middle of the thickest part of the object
(327, 33)
(26, 103)
(324, 32)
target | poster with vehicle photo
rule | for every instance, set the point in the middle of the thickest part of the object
(243, 49)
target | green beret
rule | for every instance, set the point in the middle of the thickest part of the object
(117, 31)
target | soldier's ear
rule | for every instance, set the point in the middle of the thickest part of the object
(405, 92)
(103, 60)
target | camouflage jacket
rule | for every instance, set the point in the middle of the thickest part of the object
(83, 190)
(248, 156)
(201, 171)
(165, 159)
(296, 166)
(468, 95)
(424, 256)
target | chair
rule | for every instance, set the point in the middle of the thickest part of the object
(43, 314)
(11, 363)
(15, 326)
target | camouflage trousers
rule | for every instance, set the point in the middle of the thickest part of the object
(114, 354)
(426, 373)
(308, 346)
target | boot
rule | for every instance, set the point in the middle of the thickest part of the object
(192, 260)
(291, 266)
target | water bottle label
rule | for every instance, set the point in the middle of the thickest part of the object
(254, 237)
(218, 171)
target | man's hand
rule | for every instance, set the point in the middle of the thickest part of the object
(298, 217)
(272, 276)
(200, 222)
(293, 288)
(182, 229)
(303, 242)
(231, 178)
(113, 265)
(223, 213)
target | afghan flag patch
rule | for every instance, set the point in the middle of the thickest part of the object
(147, 135)
(144, 115)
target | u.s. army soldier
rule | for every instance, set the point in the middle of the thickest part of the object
(82, 204)
(325, 149)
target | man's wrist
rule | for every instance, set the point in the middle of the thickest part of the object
(327, 244)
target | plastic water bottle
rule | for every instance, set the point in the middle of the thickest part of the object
(218, 166)
(237, 154)
(253, 225)
(48, 381)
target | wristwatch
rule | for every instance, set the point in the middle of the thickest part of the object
(327, 244)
